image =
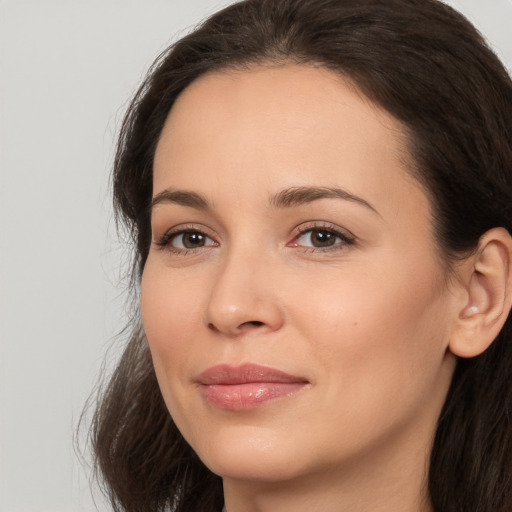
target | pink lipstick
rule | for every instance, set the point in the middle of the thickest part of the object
(247, 386)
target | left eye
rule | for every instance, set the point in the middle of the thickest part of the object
(319, 238)
(190, 240)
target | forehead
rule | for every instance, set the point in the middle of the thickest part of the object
(265, 128)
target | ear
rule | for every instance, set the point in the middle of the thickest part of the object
(486, 277)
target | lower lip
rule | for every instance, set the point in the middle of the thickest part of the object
(238, 397)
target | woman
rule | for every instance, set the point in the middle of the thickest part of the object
(319, 196)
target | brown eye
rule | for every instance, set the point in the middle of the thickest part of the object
(322, 238)
(318, 238)
(191, 240)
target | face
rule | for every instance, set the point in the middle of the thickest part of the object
(295, 303)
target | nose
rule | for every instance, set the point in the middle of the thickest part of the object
(244, 297)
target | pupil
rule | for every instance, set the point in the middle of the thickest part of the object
(322, 238)
(193, 240)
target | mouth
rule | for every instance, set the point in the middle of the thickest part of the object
(247, 386)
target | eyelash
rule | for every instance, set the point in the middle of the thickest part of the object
(165, 240)
(345, 238)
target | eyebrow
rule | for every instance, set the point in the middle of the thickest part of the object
(287, 198)
(297, 196)
(181, 197)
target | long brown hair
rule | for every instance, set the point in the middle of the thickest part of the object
(428, 67)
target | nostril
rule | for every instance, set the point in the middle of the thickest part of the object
(245, 326)
(249, 326)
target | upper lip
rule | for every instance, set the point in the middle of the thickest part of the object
(245, 374)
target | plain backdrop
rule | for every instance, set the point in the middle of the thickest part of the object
(67, 70)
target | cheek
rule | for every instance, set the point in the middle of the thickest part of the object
(377, 332)
(171, 314)
(170, 303)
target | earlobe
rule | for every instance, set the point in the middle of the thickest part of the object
(487, 278)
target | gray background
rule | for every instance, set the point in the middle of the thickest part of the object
(67, 69)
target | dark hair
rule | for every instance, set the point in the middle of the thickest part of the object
(428, 67)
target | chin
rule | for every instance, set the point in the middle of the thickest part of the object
(249, 454)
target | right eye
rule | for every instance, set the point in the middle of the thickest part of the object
(186, 240)
(190, 240)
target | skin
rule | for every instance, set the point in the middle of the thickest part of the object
(367, 323)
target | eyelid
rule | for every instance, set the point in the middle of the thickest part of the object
(163, 241)
(346, 237)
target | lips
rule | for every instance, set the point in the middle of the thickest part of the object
(247, 386)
